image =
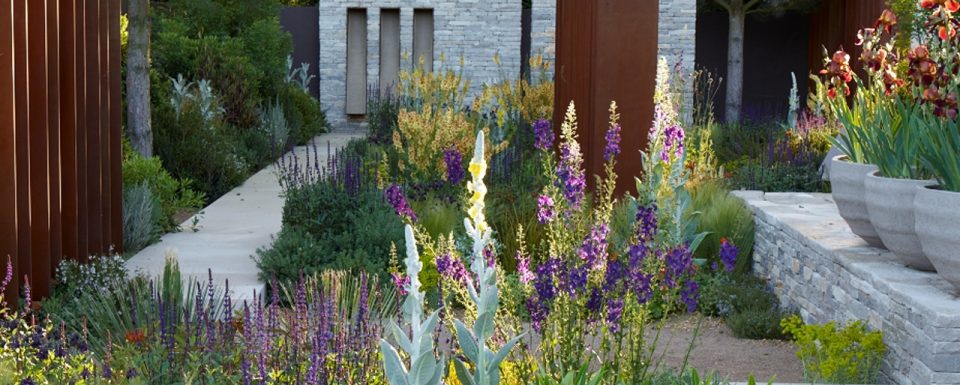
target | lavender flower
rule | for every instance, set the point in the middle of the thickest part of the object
(544, 209)
(690, 294)
(394, 196)
(453, 268)
(728, 254)
(613, 143)
(543, 134)
(8, 277)
(570, 175)
(594, 301)
(614, 313)
(679, 262)
(575, 279)
(647, 222)
(672, 137)
(401, 281)
(593, 251)
(27, 305)
(454, 162)
(523, 268)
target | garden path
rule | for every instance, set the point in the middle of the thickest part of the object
(225, 235)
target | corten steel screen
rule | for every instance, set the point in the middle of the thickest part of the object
(607, 50)
(60, 169)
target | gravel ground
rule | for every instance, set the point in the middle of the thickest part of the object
(718, 350)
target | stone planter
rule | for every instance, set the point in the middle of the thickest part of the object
(937, 214)
(890, 205)
(846, 180)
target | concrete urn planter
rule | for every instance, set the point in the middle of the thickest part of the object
(846, 180)
(937, 214)
(890, 203)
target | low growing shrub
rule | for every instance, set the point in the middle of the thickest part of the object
(723, 215)
(141, 216)
(172, 195)
(844, 355)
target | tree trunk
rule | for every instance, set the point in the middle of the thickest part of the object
(138, 78)
(734, 101)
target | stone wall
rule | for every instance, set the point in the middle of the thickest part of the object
(543, 30)
(475, 30)
(677, 41)
(815, 264)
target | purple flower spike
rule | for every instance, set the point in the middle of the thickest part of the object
(594, 249)
(613, 143)
(544, 209)
(571, 177)
(728, 254)
(543, 135)
(690, 294)
(454, 162)
(394, 196)
(401, 281)
(523, 268)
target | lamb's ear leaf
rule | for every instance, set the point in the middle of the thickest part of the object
(423, 368)
(392, 367)
(502, 354)
(400, 336)
(463, 374)
(468, 344)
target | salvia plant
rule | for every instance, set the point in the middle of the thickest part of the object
(424, 367)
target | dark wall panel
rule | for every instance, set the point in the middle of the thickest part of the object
(302, 24)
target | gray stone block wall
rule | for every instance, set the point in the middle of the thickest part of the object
(815, 265)
(473, 29)
(677, 41)
(543, 31)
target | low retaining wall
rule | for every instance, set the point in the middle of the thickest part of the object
(815, 265)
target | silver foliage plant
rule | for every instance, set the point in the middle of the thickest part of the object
(474, 341)
(424, 368)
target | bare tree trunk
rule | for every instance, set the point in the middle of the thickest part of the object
(138, 78)
(734, 79)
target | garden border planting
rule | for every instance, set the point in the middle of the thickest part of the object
(815, 264)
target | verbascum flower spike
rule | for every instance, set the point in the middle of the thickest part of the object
(484, 362)
(424, 367)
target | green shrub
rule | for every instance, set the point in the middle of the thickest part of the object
(749, 309)
(723, 215)
(757, 323)
(173, 195)
(98, 273)
(141, 214)
(382, 111)
(303, 113)
(325, 228)
(848, 355)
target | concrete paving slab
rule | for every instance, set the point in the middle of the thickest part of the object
(229, 231)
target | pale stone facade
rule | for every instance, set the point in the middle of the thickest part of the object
(475, 30)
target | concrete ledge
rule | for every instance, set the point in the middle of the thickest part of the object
(815, 264)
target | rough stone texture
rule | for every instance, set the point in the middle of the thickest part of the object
(543, 30)
(677, 41)
(473, 29)
(815, 264)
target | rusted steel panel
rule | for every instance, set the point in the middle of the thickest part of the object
(22, 149)
(53, 134)
(606, 50)
(60, 172)
(68, 128)
(83, 230)
(92, 128)
(115, 167)
(104, 123)
(8, 191)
